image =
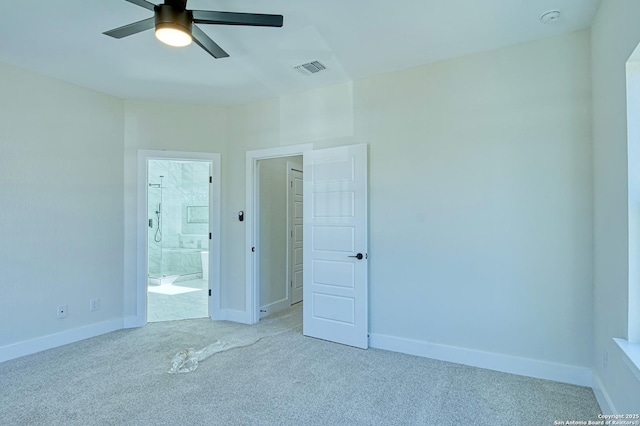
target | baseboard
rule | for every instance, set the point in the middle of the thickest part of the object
(133, 322)
(606, 405)
(274, 307)
(234, 315)
(505, 363)
(28, 347)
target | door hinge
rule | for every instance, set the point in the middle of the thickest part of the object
(209, 235)
(291, 183)
(210, 179)
(209, 292)
(253, 249)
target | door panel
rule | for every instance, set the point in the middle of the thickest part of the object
(336, 204)
(334, 308)
(296, 234)
(340, 274)
(335, 231)
(334, 238)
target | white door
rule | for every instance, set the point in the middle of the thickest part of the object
(295, 232)
(335, 245)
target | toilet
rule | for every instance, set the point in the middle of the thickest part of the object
(204, 255)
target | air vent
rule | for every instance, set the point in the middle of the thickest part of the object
(310, 68)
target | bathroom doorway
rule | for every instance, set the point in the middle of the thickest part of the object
(178, 216)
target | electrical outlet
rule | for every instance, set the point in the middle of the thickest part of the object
(63, 311)
(605, 360)
(94, 304)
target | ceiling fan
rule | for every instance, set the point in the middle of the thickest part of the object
(174, 24)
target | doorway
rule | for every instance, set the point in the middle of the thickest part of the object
(178, 239)
(178, 235)
(259, 296)
(279, 237)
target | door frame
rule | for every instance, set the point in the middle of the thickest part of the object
(291, 166)
(142, 259)
(252, 290)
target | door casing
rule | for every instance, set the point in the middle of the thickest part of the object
(291, 169)
(252, 291)
(142, 228)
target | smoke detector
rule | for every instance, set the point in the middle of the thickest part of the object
(310, 68)
(550, 17)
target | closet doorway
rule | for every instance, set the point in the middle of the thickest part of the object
(279, 238)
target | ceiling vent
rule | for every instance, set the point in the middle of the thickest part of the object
(310, 68)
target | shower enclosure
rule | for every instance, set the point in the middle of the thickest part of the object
(178, 215)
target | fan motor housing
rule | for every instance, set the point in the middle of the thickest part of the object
(167, 16)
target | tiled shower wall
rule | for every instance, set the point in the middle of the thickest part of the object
(185, 201)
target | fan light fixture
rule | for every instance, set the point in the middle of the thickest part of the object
(173, 35)
(175, 24)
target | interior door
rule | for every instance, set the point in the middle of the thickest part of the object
(295, 233)
(335, 245)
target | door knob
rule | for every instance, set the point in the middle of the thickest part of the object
(358, 256)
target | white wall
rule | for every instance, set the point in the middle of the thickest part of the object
(614, 36)
(480, 195)
(61, 210)
(169, 127)
(480, 177)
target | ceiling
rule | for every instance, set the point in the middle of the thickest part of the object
(353, 39)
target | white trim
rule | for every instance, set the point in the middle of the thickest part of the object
(32, 346)
(141, 239)
(291, 167)
(287, 275)
(251, 236)
(602, 396)
(133, 322)
(215, 227)
(580, 376)
(276, 306)
(140, 319)
(631, 355)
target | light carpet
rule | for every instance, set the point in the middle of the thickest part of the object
(282, 378)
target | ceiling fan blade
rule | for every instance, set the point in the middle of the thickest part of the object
(207, 44)
(234, 18)
(143, 3)
(136, 27)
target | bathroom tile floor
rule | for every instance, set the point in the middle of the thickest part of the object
(184, 305)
